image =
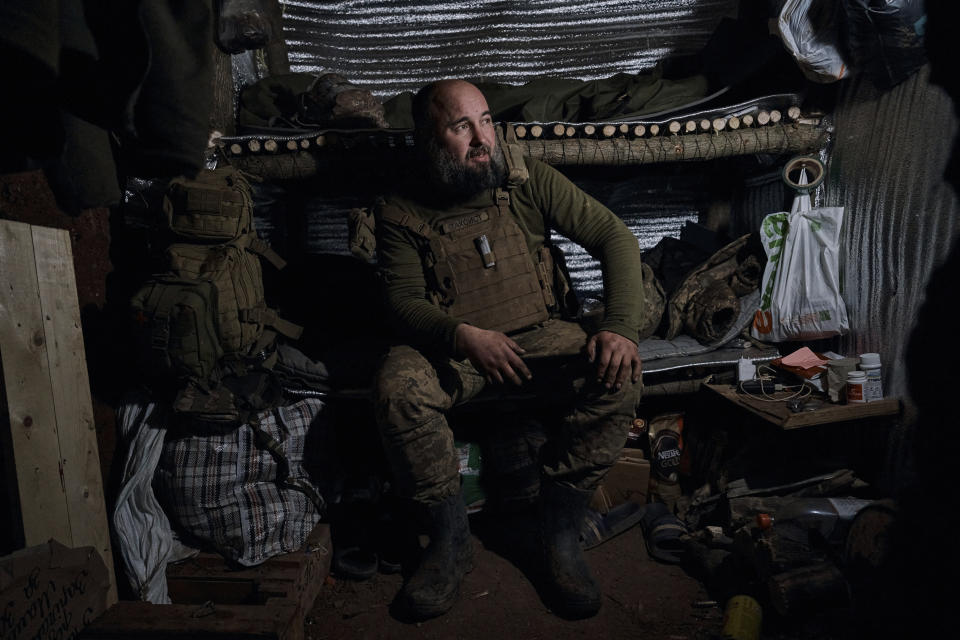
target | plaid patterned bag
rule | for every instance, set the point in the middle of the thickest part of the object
(244, 491)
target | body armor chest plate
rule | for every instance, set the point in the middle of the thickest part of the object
(484, 272)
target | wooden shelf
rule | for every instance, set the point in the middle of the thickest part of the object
(778, 414)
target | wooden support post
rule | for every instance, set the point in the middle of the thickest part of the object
(277, 56)
(52, 431)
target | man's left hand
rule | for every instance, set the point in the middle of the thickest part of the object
(616, 358)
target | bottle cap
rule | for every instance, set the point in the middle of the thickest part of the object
(764, 521)
(870, 359)
(855, 376)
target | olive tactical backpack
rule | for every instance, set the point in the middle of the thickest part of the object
(206, 314)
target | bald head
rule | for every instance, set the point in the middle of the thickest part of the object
(434, 99)
(455, 130)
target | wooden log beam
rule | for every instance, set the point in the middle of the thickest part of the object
(780, 138)
(785, 137)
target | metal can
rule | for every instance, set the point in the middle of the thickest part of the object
(637, 433)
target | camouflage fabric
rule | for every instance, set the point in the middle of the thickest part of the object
(706, 303)
(415, 389)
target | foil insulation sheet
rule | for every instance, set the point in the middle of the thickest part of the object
(390, 46)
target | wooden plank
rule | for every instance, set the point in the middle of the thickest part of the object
(67, 364)
(33, 427)
(146, 621)
(777, 412)
(212, 600)
(296, 577)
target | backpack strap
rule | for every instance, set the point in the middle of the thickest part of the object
(267, 442)
(269, 317)
(265, 251)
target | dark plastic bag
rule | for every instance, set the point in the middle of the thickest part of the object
(886, 38)
(242, 25)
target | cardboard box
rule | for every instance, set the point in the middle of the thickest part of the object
(627, 481)
(51, 591)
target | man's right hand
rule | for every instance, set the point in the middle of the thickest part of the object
(493, 354)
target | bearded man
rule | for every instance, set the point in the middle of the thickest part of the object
(468, 274)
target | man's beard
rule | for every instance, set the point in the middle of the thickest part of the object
(461, 180)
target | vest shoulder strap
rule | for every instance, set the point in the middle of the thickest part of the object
(517, 172)
(395, 215)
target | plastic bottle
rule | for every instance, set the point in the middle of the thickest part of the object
(742, 618)
(873, 387)
(828, 518)
(856, 380)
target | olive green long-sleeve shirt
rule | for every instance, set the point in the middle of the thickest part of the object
(548, 200)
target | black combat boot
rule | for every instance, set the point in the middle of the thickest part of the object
(435, 585)
(573, 592)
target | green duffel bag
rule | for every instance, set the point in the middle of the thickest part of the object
(174, 328)
(216, 206)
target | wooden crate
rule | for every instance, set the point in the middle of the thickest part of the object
(266, 602)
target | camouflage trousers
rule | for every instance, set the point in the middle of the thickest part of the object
(415, 389)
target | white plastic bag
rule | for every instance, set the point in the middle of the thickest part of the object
(809, 29)
(800, 292)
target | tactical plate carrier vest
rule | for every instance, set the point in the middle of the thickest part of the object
(479, 268)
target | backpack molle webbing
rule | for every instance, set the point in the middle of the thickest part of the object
(215, 206)
(234, 268)
(177, 334)
(207, 315)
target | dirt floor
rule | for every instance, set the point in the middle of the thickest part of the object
(642, 598)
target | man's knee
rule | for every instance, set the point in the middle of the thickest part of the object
(406, 390)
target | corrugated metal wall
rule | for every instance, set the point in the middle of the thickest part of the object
(900, 216)
(389, 46)
(885, 167)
